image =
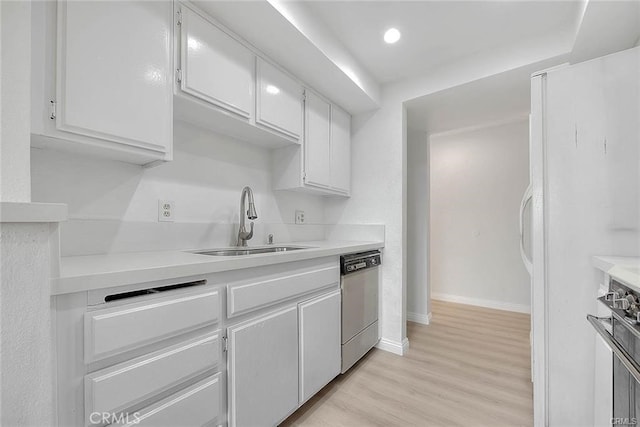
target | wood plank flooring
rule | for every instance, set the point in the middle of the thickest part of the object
(469, 367)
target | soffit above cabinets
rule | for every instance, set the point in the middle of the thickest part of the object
(268, 30)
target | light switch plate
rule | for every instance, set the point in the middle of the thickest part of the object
(166, 210)
(299, 217)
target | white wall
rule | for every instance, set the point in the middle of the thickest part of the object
(15, 101)
(378, 164)
(418, 302)
(478, 178)
(26, 368)
(26, 349)
(379, 171)
(204, 180)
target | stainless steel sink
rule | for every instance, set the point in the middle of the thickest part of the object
(249, 251)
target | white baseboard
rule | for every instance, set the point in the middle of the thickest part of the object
(424, 319)
(395, 347)
(498, 305)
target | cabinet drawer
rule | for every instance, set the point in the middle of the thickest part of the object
(115, 330)
(119, 387)
(260, 292)
(195, 406)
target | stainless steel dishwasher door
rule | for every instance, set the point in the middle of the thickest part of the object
(359, 302)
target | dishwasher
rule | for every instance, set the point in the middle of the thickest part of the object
(359, 284)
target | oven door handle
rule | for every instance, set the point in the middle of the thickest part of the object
(624, 357)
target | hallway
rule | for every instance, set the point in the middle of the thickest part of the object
(470, 366)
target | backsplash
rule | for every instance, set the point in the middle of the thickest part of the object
(113, 206)
(88, 237)
(85, 237)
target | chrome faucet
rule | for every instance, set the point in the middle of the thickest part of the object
(243, 235)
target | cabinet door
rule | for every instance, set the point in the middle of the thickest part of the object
(263, 369)
(114, 77)
(317, 156)
(215, 67)
(319, 343)
(279, 101)
(340, 149)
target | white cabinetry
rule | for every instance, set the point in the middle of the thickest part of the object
(279, 100)
(323, 164)
(102, 78)
(285, 345)
(340, 150)
(215, 67)
(158, 355)
(224, 85)
(319, 343)
(146, 352)
(317, 152)
(198, 405)
(263, 369)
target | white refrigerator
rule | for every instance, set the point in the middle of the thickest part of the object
(585, 195)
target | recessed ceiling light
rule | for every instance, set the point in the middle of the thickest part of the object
(273, 90)
(392, 35)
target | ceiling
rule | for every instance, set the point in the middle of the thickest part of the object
(336, 47)
(504, 96)
(496, 99)
(440, 33)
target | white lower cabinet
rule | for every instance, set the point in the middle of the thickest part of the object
(263, 369)
(319, 343)
(166, 371)
(195, 406)
(153, 355)
(278, 361)
(116, 388)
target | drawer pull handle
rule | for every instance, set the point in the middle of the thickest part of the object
(140, 292)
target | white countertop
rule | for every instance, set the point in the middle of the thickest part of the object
(83, 273)
(32, 212)
(623, 269)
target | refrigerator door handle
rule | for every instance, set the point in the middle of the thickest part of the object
(528, 194)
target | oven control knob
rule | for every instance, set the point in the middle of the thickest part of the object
(374, 261)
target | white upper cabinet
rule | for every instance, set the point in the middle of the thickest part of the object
(340, 150)
(322, 165)
(223, 85)
(279, 101)
(215, 67)
(112, 90)
(317, 151)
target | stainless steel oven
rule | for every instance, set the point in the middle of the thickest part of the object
(621, 333)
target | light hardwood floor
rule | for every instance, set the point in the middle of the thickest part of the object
(469, 367)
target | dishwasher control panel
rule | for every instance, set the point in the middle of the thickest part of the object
(356, 262)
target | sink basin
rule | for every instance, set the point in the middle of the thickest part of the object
(249, 251)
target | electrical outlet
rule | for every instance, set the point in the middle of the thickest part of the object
(166, 210)
(299, 217)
